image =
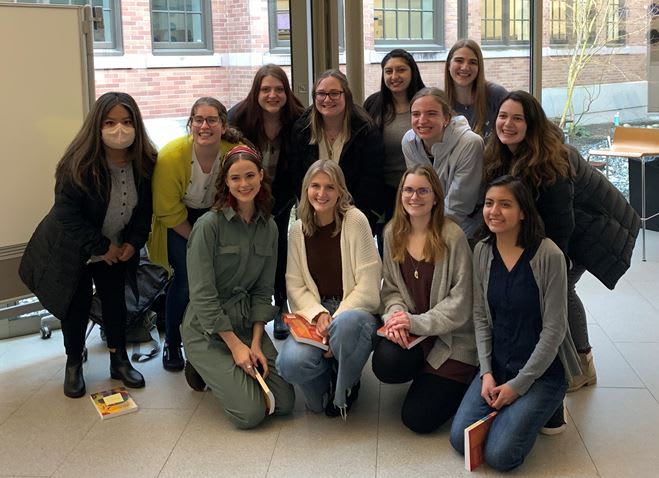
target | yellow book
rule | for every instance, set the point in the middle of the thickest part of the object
(113, 403)
(269, 396)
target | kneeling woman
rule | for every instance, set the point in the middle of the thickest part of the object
(332, 280)
(427, 290)
(520, 316)
(232, 255)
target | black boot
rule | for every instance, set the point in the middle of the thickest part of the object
(74, 383)
(122, 369)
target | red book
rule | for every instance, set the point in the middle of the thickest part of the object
(475, 435)
(414, 339)
(304, 332)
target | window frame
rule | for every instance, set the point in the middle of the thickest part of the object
(569, 39)
(506, 22)
(184, 47)
(437, 42)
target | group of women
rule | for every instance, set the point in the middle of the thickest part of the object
(500, 325)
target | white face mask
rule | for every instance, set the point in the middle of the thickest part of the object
(118, 136)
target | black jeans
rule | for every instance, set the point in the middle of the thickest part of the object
(110, 283)
(431, 400)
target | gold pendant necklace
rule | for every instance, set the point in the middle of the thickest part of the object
(415, 264)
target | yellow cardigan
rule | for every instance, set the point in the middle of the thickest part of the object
(169, 184)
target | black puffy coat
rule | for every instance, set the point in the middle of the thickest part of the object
(606, 225)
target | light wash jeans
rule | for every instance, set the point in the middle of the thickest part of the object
(514, 430)
(351, 336)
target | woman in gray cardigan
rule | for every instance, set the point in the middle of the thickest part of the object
(524, 345)
(427, 291)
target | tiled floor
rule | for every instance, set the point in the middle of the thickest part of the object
(613, 428)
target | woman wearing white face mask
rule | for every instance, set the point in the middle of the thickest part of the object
(93, 233)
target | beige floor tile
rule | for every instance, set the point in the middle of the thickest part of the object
(619, 429)
(612, 368)
(643, 357)
(135, 445)
(5, 413)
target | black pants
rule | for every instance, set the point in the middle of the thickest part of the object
(431, 400)
(110, 283)
(281, 220)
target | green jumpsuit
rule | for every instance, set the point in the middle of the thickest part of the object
(231, 271)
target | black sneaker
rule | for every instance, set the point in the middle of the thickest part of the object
(280, 328)
(172, 358)
(352, 394)
(556, 424)
(193, 378)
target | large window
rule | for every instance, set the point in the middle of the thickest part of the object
(408, 23)
(181, 26)
(107, 36)
(505, 22)
(587, 21)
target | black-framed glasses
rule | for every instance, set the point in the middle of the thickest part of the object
(408, 192)
(210, 120)
(334, 95)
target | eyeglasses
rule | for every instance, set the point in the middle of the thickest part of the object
(334, 95)
(210, 120)
(408, 192)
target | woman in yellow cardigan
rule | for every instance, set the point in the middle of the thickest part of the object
(183, 190)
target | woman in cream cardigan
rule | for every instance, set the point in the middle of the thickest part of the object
(332, 280)
(427, 291)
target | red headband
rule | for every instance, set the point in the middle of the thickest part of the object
(241, 148)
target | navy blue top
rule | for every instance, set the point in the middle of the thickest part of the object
(514, 301)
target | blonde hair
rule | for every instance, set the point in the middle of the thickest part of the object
(344, 202)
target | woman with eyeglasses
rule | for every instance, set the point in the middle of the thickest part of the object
(525, 351)
(445, 141)
(183, 189)
(94, 232)
(333, 281)
(266, 117)
(426, 291)
(336, 129)
(232, 256)
(390, 109)
(469, 94)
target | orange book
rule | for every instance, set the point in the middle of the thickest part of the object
(113, 403)
(267, 393)
(304, 332)
(414, 339)
(475, 435)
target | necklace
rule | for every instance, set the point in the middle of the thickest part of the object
(416, 265)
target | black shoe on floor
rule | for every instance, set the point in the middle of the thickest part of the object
(74, 382)
(352, 394)
(172, 358)
(556, 424)
(280, 328)
(193, 378)
(122, 369)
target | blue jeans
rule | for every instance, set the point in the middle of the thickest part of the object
(514, 430)
(351, 336)
(178, 294)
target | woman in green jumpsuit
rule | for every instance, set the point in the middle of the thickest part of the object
(232, 255)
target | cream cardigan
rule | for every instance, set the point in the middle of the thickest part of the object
(361, 270)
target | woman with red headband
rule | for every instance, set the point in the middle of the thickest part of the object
(232, 256)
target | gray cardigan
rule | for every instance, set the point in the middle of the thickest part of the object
(458, 160)
(449, 316)
(550, 272)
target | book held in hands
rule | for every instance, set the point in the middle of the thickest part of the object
(475, 435)
(113, 403)
(267, 393)
(414, 339)
(304, 332)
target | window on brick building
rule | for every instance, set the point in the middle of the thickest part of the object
(505, 22)
(280, 26)
(599, 21)
(107, 36)
(181, 26)
(408, 23)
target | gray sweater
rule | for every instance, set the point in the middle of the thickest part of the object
(449, 316)
(549, 270)
(458, 160)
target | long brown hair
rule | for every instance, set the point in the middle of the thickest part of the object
(223, 198)
(541, 158)
(248, 115)
(400, 222)
(352, 110)
(478, 87)
(343, 202)
(83, 162)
